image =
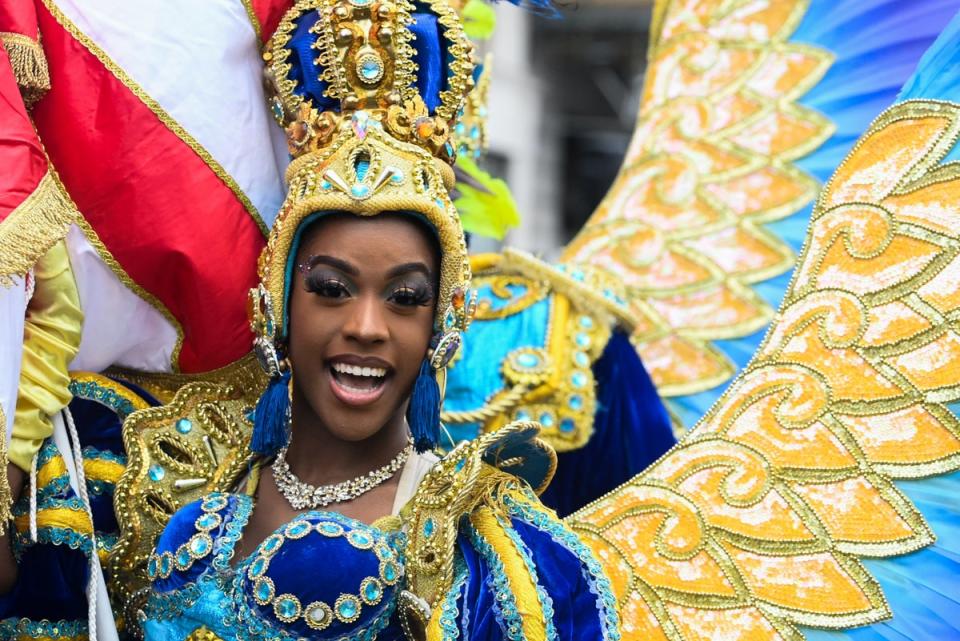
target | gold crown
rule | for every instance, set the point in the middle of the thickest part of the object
(364, 140)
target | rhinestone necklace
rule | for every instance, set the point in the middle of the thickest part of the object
(303, 496)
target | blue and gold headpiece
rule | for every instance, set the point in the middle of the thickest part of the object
(368, 92)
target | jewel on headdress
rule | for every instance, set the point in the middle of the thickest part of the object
(360, 121)
(370, 68)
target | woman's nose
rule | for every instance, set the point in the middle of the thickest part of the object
(367, 322)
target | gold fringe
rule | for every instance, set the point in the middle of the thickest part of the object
(6, 496)
(29, 65)
(33, 228)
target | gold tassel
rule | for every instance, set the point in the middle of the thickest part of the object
(6, 497)
(29, 65)
(33, 228)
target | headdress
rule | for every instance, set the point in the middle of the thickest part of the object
(368, 93)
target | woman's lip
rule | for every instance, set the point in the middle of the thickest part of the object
(353, 397)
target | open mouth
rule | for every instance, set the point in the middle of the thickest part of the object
(355, 384)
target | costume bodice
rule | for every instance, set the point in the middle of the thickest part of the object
(320, 576)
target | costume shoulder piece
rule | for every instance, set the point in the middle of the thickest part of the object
(474, 474)
(486, 559)
(536, 334)
(195, 445)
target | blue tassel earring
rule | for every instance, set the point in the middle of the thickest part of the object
(270, 421)
(423, 414)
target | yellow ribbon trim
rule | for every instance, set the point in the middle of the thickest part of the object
(119, 389)
(99, 469)
(62, 517)
(33, 228)
(522, 585)
(29, 65)
(51, 471)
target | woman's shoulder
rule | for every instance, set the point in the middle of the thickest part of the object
(187, 543)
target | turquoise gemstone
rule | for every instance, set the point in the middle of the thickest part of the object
(258, 567)
(577, 274)
(360, 191)
(460, 129)
(372, 591)
(576, 402)
(460, 465)
(183, 557)
(583, 340)
(528, 361)
(397, 177)
(287, 608)
(581, 359)
(567, 425)
(326, 185)
(546, 419)
(298, 530)
(156, 473)
(523, 415)
(389, 572)
(586, 321)
(263, 590)
(428, 527)
(330, 529)
(152, 567)
(270, 545)
(184, 425)
(348, 608)
(475, 132)
(199, 545)
(213, 503)
(371, 69)
(359, 539)
(579, 379)
(165, 561)
(208, 521)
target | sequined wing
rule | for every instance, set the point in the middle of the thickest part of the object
(711, 159)
(757, 521)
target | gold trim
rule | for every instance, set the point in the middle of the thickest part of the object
(159, 111)
(6, 496)
(133, 286)
(244, 373)
(29, 65)
(33, 227)
(254, 20)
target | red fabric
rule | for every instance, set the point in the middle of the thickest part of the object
(269, 13)
(167, 218)
(19, 16)
(22, 163)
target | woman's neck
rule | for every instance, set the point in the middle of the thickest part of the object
(318, 457)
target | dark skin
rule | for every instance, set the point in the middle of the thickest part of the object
(364, 297)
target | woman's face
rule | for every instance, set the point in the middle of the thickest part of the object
(361, 315)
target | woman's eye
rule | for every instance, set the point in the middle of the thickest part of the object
(327, 287)
(411, 296)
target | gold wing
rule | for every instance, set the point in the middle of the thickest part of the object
(754, 523)
(710, 160)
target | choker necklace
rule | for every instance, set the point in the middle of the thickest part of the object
(303, 496)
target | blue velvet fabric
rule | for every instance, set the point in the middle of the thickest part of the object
(430, 55)
(631, 430)
(316, 567)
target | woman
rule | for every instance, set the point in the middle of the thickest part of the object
(347, 527)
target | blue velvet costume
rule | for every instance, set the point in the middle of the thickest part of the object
(325, 576)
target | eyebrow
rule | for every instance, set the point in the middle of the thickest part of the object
(349, 269)
(342, 265)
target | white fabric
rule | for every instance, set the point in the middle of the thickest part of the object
(104, 626)
(119, 327)
(200, 60)
(413, 471)
(13, 306)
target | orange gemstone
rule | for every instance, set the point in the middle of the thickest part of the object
(425, 128)
(458, 298)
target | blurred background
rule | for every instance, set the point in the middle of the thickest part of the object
(563, 100)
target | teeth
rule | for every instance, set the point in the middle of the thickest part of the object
(354, 370)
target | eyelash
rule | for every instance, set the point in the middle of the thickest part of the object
(404, 295)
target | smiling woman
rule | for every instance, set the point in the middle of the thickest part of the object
(348, 525)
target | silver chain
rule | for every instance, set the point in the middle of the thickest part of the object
(303, 496)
